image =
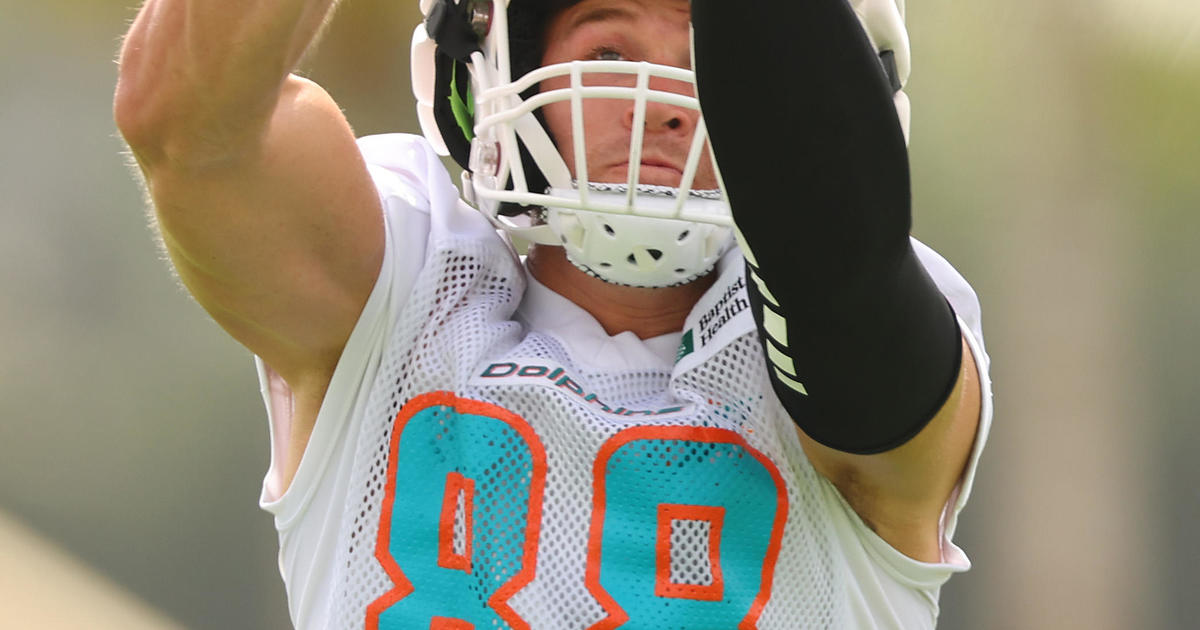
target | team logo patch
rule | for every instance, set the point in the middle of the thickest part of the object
(687, 345)
(543, 373)
(721, 316)
(732, 302)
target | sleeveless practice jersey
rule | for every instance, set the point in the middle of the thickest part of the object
(487, 457)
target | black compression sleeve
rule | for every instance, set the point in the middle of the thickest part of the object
(801, 120)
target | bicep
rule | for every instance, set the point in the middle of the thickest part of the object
(282, 242)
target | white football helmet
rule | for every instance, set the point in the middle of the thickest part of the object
(626, 232)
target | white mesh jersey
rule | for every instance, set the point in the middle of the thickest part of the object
(487, 457)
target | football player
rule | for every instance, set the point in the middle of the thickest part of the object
(725, 388)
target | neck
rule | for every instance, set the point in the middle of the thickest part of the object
(645, 312)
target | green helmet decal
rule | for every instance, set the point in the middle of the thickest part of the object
(464, 109)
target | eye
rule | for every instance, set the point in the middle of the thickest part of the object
(606, 53)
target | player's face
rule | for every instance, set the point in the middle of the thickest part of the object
(634, 30)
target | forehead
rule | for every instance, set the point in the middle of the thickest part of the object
(569, 15)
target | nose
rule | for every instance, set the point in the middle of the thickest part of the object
(664, 117)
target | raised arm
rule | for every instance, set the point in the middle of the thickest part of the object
(864, 350)
(263, 202)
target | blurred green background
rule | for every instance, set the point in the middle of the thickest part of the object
(1055, 154)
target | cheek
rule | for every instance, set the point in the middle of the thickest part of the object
(601, 127)
(557, 117)
(558, 123)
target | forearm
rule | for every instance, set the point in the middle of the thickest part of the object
(199, 78)
(863, 347)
